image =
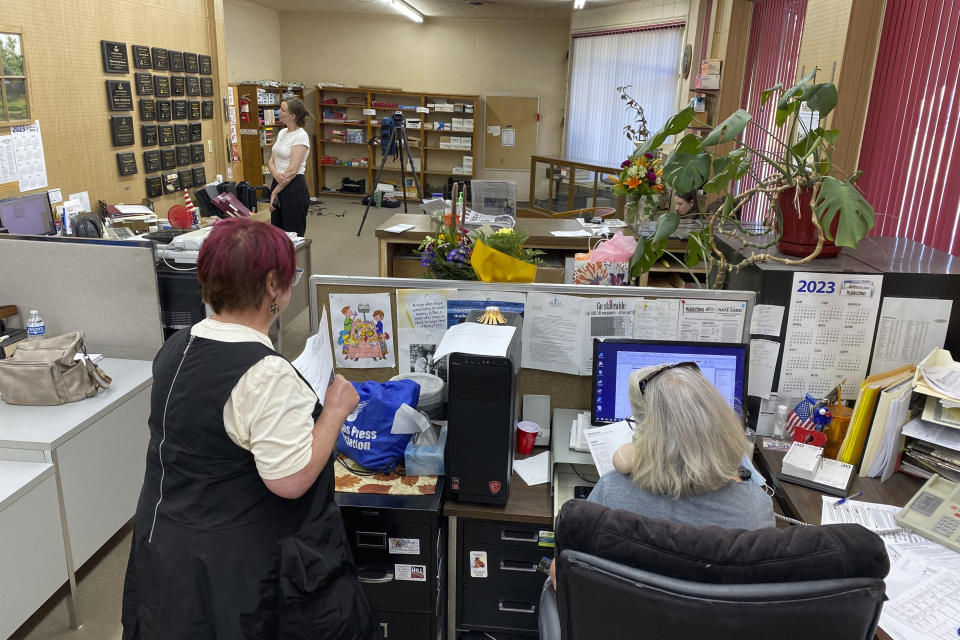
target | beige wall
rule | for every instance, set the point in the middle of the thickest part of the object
(66, 84)
(482, 57)
(721, 27)
(824, 37)
(253, 41)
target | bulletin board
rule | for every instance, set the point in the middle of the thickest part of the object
(565, 390)
(520, 114)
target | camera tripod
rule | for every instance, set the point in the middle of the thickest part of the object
(398, 137)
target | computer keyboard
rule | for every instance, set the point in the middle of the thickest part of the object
(165, 236)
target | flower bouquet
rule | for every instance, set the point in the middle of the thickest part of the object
(500, 257)
(641, 181)
(446, 255)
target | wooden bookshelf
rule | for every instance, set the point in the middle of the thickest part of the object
(256, 137)
(433, 161)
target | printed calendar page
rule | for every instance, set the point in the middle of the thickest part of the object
(829, 332)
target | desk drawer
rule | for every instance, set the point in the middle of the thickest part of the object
(507, 566)
(503, 533)
(404, 626)
(499, 608)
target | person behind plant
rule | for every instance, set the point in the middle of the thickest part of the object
(683, 464)
(289, 197)
(686, 204)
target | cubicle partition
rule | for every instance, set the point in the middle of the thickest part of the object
(105, 288)
(565, 390)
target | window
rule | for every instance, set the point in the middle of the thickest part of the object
(14, 106)
(647, 59)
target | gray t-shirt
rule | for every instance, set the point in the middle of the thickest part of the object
(739, 505)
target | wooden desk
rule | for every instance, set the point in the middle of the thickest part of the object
(527, 505)
(390, 244)
(805, 504)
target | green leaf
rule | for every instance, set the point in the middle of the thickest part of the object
(679, 121)
(820, 97)
(807, 144)
(729, 129)
(687, 169)
(830, 135)
(732, 166)
(766, 93)
(694, 252)
(856, 216)
(784, 112)
(666, 225)
(637, 255)
(786, 104)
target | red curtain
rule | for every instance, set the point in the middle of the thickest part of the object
(911, 168)
(772, 52)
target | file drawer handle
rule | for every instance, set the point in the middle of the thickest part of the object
(519, 536)
(374, 579)
(371, 539)
(510, 565)
(516, 607)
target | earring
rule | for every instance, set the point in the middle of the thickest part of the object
(274, 307)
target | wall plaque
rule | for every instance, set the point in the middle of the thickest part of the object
(193, 86)
(199, 176)
(164, 111)
(166, 135)
(194, 109)
(114, 56)
(119, 95)
(168, 158)
(127, 163)
(176, 60)
(183, 156)
(206, 86)
(151, 161)
(161, 86)
(154, 186)
(141, 56)
(148, 109)
(178, 86)
(190, 63)
(171, 182)
(206, 66)
(144, 83)
(196, 132)
(161, 58)
(186, 178)
(196, 153)
(148, 137)
(179, 109)
(181, 133)
(121, 130)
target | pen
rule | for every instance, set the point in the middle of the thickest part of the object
(842, 500)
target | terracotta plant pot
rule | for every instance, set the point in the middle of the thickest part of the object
(798, 235)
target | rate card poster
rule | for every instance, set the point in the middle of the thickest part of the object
(362, 330)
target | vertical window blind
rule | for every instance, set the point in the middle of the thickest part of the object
(648, 59)
(772, 51)
(908, 156)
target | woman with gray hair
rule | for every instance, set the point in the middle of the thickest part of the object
(683, 464)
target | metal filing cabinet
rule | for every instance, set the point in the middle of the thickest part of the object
(404, 581)
(504, 596)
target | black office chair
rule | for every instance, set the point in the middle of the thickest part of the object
(621, 575)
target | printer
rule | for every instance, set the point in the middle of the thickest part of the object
(481, 421)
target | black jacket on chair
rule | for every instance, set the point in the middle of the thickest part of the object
(621, 575)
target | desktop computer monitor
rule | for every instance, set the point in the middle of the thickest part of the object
(723, 364)
(28, 215)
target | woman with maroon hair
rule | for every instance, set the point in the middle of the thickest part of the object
(236, 533)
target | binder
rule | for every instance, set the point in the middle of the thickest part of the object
(851, 451)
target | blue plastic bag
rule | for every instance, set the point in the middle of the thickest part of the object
(365, 435)
(425, 459)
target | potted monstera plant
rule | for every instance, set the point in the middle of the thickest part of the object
(808, 206)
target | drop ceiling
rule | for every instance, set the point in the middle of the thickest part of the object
(490, 10)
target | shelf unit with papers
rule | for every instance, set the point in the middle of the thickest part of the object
(256, 137)
(570, 468)
(430, 158)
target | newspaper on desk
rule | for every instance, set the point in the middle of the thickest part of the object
(477, 219)
(924, 580)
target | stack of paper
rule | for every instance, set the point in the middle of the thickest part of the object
(851, 451)
(604, 442)
(804, 464)
(578, 429)
(880, 455)
(933, 449)
(802, 461)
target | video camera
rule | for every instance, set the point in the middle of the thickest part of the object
(387, 126)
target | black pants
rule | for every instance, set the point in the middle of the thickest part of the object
(292, 204)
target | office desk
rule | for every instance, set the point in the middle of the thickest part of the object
(489, 528)
(97, 447)
(806, 504)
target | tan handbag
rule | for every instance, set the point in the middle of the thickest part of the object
(45, 372)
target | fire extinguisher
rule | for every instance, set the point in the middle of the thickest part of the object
(245, 108)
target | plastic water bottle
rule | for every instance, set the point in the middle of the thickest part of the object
(36, 330)
(780, 421)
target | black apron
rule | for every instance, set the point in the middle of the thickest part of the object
(215, 554)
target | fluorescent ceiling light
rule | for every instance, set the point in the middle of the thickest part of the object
(578, 4)
(407, 10)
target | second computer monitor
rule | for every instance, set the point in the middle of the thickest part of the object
(28, 215)
(723, 364)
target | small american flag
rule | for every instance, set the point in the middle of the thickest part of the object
(801, 415)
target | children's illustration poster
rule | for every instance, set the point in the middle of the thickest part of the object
(362, 330)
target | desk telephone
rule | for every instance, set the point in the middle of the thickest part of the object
(934, 512)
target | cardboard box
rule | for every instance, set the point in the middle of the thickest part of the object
(413, 123)
(457, 171)
(710, 67)
(707, 82)
(441, 126)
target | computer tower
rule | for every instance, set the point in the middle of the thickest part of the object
(481, 419)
